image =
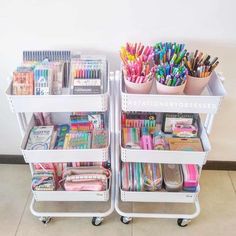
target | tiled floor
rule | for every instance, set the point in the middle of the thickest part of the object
(217, 198)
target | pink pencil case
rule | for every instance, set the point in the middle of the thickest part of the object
(93, 178)
(86, 182)
(190, 174)
(94, 185)
(87, 170)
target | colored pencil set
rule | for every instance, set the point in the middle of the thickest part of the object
(87, 75)
(199, 64)
(136, 62)
(89, 71)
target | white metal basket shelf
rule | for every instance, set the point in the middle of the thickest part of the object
(209, 102)
(159, 196)
(98, 196)
(169, 156)
(62, 155)
(57, 103)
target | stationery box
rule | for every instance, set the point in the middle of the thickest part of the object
(185, 144)
(170, 119)
(190, 174)
(184, 131)
(173, 178)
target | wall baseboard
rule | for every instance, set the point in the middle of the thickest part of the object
(210, 165)
(220, 165)
(12, 159)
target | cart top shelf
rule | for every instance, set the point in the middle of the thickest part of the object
(58, 103)
(208, 102)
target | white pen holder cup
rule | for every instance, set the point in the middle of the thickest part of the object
(138, 88)
(195, 85)
(169, 90)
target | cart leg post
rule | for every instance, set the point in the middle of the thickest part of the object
(45, 218)
(21, 123)
(209, 122)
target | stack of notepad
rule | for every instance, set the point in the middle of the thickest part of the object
(40, 138)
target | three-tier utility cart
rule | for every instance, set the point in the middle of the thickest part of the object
(205, 104)
(61, 106)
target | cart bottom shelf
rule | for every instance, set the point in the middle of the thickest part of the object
(162, 196)
(97, 196)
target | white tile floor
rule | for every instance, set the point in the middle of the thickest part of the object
(217, 198)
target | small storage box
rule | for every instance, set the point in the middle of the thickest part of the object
(173, 177)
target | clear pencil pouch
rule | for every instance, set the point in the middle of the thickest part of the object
(152, 176)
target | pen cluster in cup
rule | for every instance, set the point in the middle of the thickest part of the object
(136, 60)
(171, 76)
(170, 70)
(171, 53)
(199, 64)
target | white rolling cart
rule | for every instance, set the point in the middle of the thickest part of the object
(207, 104)
(64, 104)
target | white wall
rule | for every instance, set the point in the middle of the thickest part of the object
(102, 26)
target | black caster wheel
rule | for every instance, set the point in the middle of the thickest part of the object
(183, 222)
(45, 220)
(96, 221)
(125, 220)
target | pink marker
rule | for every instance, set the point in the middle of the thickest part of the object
(146, 140)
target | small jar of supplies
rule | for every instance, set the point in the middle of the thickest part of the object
(137, 72)
(200, 70)
(170, 72)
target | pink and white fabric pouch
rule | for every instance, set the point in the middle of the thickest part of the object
(86, 179)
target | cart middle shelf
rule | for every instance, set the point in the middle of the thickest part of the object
(63, 155)
(169, 156)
